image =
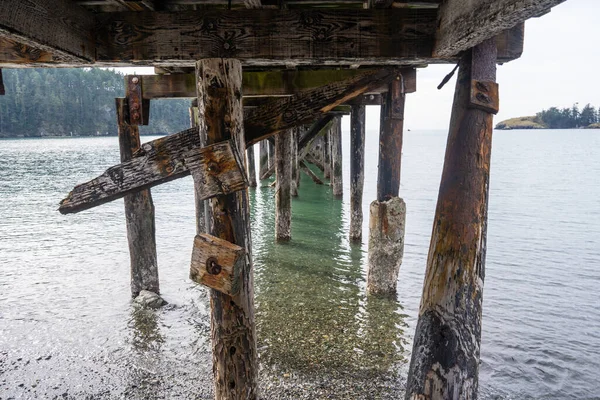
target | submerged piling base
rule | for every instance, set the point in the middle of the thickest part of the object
(386, 245)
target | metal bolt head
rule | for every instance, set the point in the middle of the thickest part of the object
(135, 106)
(135, 79)
(212, 266)
(135, 116)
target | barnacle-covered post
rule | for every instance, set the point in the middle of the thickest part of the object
(357, 170)
(445, 357)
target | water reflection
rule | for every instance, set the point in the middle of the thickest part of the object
(312, 311)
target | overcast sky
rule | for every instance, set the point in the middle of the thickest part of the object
(559, 67)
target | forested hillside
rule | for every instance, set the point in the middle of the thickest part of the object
(75, 102)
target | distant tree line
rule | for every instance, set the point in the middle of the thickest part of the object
(75, 102)
(566, 118)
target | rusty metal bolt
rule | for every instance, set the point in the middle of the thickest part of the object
(135, 79)
(484, 98)
(135, 116)
(482, 87)
(226, 45)
(213, 166)
(135, 106)
(212, 266)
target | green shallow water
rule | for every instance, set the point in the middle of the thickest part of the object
(312, 311)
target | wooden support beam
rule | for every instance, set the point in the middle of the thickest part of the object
(266, 37)
(280, 114)
(295, 175)
(250, 166)
(157, 162)
(336, 158)
(305, 142)
(264, 83)
(309, 172)
(283, 196)
(271, 147)
(263, 160)
(200, 204)
(233, 331)
(139, 215)
(446, 350)
(327, 154)
(2, 90)
(357, 171)
(217, 263)
(462, 25)
(268, 173)
(53, 26)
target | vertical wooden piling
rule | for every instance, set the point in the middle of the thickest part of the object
(295, 175)
(263, 160)
(271, 146)
(139, 215)
(251, 167)
(336, 158)
(283, 196)
(388, 212)
(327, 153)
(200, 204)
(445, 357)
(357, 171)
(233, 332)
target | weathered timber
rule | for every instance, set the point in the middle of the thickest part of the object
(139, 215)
(15, 53)
(262, 83)
(268, 37)
(445, 357)
(283, 196)
(233, 331)
(305, 142)
(53, 26)
(251, 167)
(268, 173)
(357, 171)
(217, 263)
(138, 108)
(462, 25)
(200, 204)
(336, 158)
(309, 172)
(309, 158)
(295, 175)
(303, 108)
(327, 153)
(263, 161)
(271, 147)
(390, 141)
(157, 162)
(2, 90)
(387, 213)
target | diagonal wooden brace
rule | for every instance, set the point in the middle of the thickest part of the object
(217, 170)
(484, 96)
(217, 263)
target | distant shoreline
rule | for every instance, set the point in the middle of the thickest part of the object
(532, 122)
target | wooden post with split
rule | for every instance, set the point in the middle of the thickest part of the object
(233, 332)
(263, 158)
(336, 158)
(388, 212)
(357, 171)
(445, 357)
(283, 195)
(295, 176)
(139, 214)
(199, 202)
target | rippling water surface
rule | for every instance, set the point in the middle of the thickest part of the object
(67, 327)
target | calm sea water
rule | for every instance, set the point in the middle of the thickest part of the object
(67, 327)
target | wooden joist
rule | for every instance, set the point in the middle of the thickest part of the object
(262, 83)
(267, 37)
(55, 26)
(216, 167)
(464, 24)
(217, 263)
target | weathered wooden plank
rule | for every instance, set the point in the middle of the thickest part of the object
(159, 161)
(139, 215)
(357, 171)
(464, 24)
(217, 170)
(305, 142)
(327, 154)
(263, 160)
(295, 175)
(445, 356)
(510, 43)
(283, 195)
(13, 52)
(309, 172)
(268, 37)
(263, 83)
(55, 26)
(280, 114)
(233, 331)
(217, 263)
(250, 166)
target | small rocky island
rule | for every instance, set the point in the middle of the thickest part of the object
(555, 118)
